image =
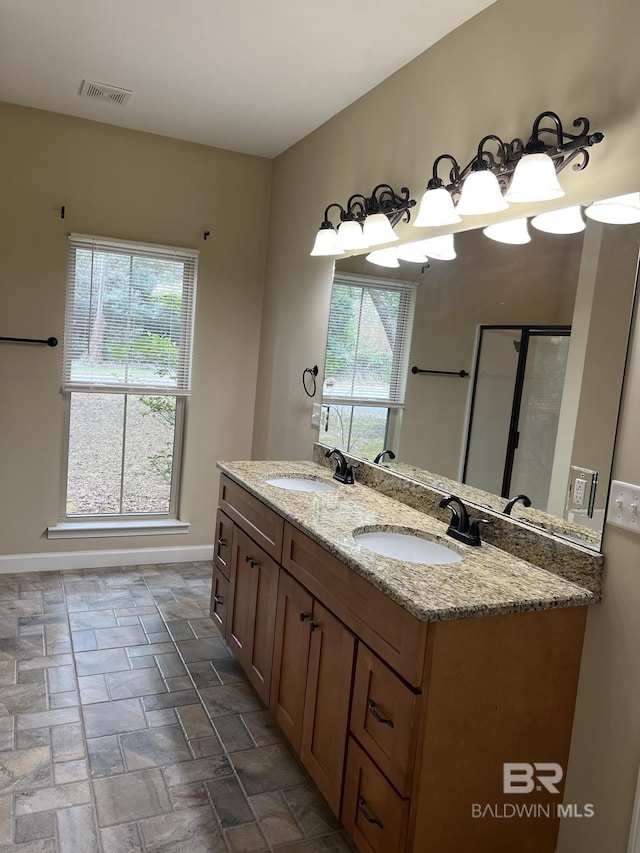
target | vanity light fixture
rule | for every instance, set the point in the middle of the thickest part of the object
(384, 257)
(527, 172)
(414, 252)
(440, 248)
(364, 222)
(514, 232)
(566, 221)
(618, 210)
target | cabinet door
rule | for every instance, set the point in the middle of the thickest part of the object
(222, 543)
(219, 599)
(326, 707)
(252, 610)
(290, 657)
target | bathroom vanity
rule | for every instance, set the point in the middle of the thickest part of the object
(403, 687)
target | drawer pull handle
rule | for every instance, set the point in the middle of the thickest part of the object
(222, 542)
(313, 625)
(304, 616)
(362, 805)
(218, 599)
(253, 563)
(378, 716)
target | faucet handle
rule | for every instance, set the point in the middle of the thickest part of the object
(474, 530)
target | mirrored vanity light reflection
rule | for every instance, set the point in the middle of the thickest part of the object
(583, 279)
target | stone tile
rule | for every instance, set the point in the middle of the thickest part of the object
(276, 821)
(32, 738)
(170, 665)
(18, 698)
(230, 699)
(38, 719)
(179, 682)
(61, 679)
(20, 648)
(35, 826)
(121, 839)
(128, 620)
(195, 721)
(310, 810)
(133, 683)
(154, 747)
(84, 641)
(64, 700)
(152, 622)
(56, 797)
(92, 619)
(188, 830)
(263, 728)
(245, 838)
(188, 796)
(70, 771)
(207, 648)
(106, 660)
(203, 674)
(151, 649)
(170, 700)
(46, 662)
(233, 733)
(143, 662)
(133, 796)
(199, 770)
(6, 821)
(162, 717)
(93, 688)
(204, 627)
(180, 629)
(25, 768)
(67, 742)
(229, 802)
(105, 758)
(159, 637)
(129, 635)
(337, 842)
(229, 671)
(109, 718)
(29, 676)
(267, 769)
(77, 830)
(182, 610)
(206, 747)
(109, 600)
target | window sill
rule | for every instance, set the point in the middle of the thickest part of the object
(93, 529)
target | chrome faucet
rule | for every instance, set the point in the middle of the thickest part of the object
(526, 501)
(382, 454)
(460, 527)
(344, 471)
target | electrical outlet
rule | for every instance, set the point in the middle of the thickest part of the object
(579, 491)
(316, 414)
(624, 503)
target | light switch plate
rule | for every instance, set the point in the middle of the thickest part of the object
(624, 506)
(316, 414)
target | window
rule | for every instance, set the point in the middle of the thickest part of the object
(127, 374)
(365, 375)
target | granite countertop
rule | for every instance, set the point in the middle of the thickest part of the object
(487, 581)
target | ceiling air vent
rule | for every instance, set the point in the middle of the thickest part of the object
(91, 89)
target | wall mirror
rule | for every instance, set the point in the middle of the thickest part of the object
(563, 300)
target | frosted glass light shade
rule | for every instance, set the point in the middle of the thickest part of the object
(326, 243)
(514, 231)
(566, 221)
(384, 257)
(436, 208)
(618, 210)
(534, 179)
(377, 229)
(440, 248)
(351, 236)
(480, 194)
(413, 252)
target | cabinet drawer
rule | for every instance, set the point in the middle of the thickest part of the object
(384, 718)
(219, 597)
(375, 816)
(397, 636)
(222, 543)
(261, 523)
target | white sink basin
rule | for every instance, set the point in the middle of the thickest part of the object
(300, 484)
(410, 549)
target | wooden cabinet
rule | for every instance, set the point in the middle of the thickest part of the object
(403, 725)
(252, 609)
(312, 674)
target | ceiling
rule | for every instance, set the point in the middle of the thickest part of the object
(247, 75)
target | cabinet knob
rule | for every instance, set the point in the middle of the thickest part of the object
(378, 716)
(313, 625)
(218, 599)
(249, 559)
(362, 805)
(222, 542)
(304, 616)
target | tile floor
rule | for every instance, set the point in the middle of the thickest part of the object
(126, 725)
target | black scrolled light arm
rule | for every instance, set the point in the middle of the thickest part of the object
(436, 183)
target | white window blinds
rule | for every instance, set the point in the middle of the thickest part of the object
(368, 341)
(129, 316)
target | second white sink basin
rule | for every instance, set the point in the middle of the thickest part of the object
(406, 547)
(300, 484)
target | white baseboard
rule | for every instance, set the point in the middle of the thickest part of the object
(58, 560)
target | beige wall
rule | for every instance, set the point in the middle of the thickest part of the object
(119, 183)
(494, 74)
